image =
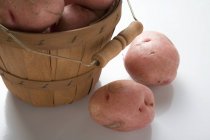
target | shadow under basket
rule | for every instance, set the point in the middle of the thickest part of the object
(48, 81)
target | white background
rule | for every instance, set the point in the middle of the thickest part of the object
(182, 108)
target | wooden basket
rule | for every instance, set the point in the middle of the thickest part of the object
(49, 81)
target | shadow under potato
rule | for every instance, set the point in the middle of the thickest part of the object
(163, 98)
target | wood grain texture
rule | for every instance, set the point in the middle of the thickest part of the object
(37, 67)
(67, 69)
(64, 97)
(13, 59)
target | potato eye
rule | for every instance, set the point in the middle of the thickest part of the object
(107, 97)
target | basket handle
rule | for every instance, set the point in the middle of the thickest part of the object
(118, 43)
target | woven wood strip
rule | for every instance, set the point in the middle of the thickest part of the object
(46, 85)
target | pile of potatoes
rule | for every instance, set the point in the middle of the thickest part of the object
(126, 105)
(50, 15)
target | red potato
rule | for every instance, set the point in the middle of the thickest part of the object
(92, 4)
(30, 15)
(122, 105)
(75, 16)
(152, 59)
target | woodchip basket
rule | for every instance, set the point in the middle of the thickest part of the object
(59, 68)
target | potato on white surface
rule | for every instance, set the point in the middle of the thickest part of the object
(123, 105)
(152, 59)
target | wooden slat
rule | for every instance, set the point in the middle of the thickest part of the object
(42, 97)
(64, 96)
(38, 67)
(66, 69)
(83, 88)
(2, 65)
(13, 62)
(53, 64)
(86, 58)
(18, 91)
(13, 59)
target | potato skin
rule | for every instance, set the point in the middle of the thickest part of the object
(92, 4)
(30, 15)
(73, 17)
(122, 105)
(152, 59)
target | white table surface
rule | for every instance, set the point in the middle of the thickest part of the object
(182, 108)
